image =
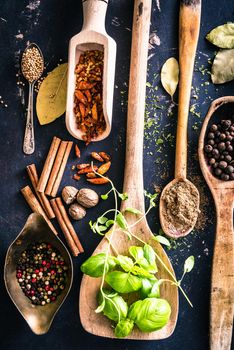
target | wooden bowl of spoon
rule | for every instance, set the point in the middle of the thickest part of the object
(222, 279)
(39, 318)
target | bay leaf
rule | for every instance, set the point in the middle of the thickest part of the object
(222, 36)
(170, 75)
(51, 98)
(222, 69)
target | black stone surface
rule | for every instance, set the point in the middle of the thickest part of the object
(51, 24)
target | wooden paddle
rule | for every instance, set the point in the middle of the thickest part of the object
(133, 185)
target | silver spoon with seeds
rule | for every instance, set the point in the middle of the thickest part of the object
(32, 66)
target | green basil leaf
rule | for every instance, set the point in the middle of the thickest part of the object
(104, 196)
(141, 272)
(115, 307)
(123, 282)
(100, 307)
(120, 219)
(150, 314)
(155, 291)
(94, 266)
(189, 264)
(136, 252)
(123, 196)
(152, 198)
(222, 69)
(133, 211)
(102, 220)
(125, 262)
(124, 328)
(162, 240)
(222, 36)
(146, 287)
(149, 254)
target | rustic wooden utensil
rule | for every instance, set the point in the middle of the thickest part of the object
(222, 279)
(189, 26)
(93, 36)
(133, 185)
(39, 318)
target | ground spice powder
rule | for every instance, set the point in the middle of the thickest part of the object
(181, 206)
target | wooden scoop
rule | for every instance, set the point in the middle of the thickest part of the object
(93, 36)
(39, 318)
(189, 26)
(133, 184)
(222, 279)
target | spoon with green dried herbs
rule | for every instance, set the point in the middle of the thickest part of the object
(32, 66)
(179, 202)
(128, 236)
(221, 184)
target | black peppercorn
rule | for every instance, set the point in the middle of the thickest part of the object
(221, 146)
(211, 142)
(218, 171)
(222, 164)
(225, 124)
(222, 137)
(211, 135)
(213, 128)
(229, 169)
(229, 148)
(208, 148)
(224, 177)
(228, 158)
(231, 176)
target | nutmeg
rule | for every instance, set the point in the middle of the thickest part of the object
(69, 194)
(87, 198)
(76, 211)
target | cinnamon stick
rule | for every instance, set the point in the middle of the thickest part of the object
(63, 225)
(36, 206)
(56, 167)
(32, 173)
(61, 169)
(48, 164)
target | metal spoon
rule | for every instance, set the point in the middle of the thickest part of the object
(189, 26)
(39, 318)
(29, 141)
(93, 36)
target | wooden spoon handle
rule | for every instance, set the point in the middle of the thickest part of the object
(222, 280)
(94, 14)
(189, 25)
(133, 177)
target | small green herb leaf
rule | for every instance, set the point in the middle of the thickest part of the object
(123, 282)
(109, 223)
(152, 198)
(124, 328)
(146, 287)
(189, 264)
(120, 219)
(141, 272)
(123, 196)
(102, 220)
(163, 240)
(136, 252)
(100, 307)
(155, 291)
(94, 266)
(104, 196)
(133, 211)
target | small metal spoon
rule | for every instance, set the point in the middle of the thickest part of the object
(39, 318)
(189, 26)
(29, 140)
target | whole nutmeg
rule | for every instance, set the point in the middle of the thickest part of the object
(88, 198)
(76, 211)
(69, 194)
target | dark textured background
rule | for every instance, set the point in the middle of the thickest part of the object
(51, 24)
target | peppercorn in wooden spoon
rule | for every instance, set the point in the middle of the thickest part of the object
(222, 189)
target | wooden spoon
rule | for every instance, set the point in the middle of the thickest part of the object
(222, 279)
(39, 318)
(93, 36)
(133, 184)
(189, 26)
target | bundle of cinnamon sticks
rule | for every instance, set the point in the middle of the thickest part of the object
(48, 184)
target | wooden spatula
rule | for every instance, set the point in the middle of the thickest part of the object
(133, 184)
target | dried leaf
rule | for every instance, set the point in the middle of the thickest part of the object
(51, 98)
(170, 75)
(223, 67)
(222, 36)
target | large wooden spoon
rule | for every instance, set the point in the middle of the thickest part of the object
(189, 26)
(222, 279)
(133, 185)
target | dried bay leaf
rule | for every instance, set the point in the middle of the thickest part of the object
(170, 75)
(223, 67)
(51, 98)
(222, 36)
